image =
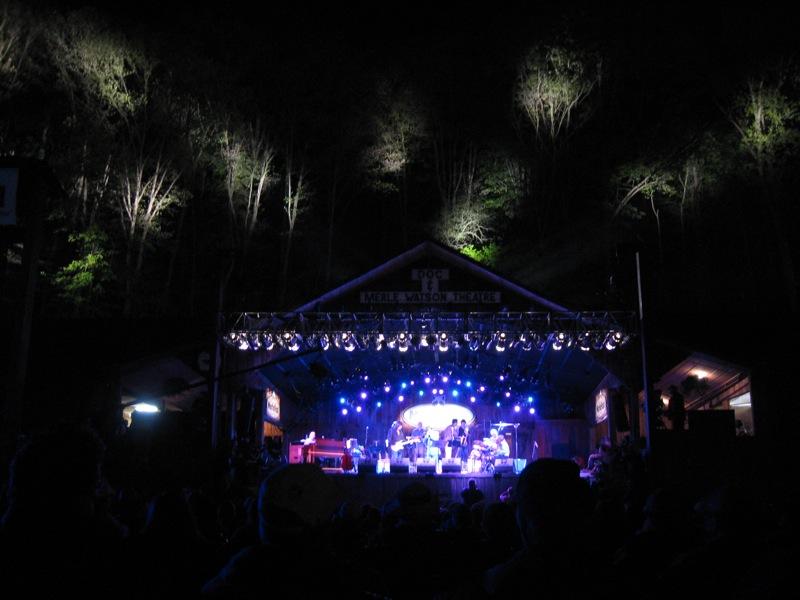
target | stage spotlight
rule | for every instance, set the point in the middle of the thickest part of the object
(427, 380)
(482, 389)
(501, 342)
(254, 341)
(585, 341)
(421, 393)
(344, 412)
(386, 388)
(379, 404)
(474, 343)
(532, 411)
(468, 383)
(526, 341)
(516, 408)
(243, 342)
(615, 339)
(363, 395)
(497, 404)
(472, 398)
(231, 339)
(403, 385)
(146, 407)
(358, 409)
(380, 342)
(400, 398)
(508, 394)
(530, 399)
(445, 379)
(402, 342)
(559, 340)
(342, 400)
(325, 341)
(444, 342)
(455, 393)
(348, 342)
(539, 341)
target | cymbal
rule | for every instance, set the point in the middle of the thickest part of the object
(502, 424)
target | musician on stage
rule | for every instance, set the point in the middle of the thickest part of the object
(417, 450)
(463, 438)
(394, 436)
(503, 450)
(451, 438)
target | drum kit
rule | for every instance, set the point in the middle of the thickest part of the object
(484, 451)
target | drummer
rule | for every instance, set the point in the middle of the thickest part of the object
(503, 450)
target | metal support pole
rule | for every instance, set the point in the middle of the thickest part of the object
(648, 413)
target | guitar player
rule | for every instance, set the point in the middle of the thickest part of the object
(394, 436)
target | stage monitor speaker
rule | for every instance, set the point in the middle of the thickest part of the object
(451, 465)
(399, 466)
(503, 465)
(426, 465)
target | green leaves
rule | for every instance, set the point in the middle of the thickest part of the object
(766, 118)
(84, 281)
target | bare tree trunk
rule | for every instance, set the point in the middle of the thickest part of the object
(657, 215)
(172, 259)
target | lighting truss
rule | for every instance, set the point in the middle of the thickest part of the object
(439, 331)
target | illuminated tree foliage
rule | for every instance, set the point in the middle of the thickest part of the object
(553, 85)
(83, 283)
(147, 190)
(295, 200)
(766, 116)
(16, 36)
(399, 130)
(653, 183)
(248, 171)
(553, 94)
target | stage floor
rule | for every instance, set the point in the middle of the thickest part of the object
(369, 487)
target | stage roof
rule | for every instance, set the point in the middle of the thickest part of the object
(435, 283)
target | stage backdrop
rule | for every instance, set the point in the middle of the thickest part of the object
(560, 439)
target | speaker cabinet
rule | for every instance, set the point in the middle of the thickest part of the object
(503, 465)
(427, 465)
(451, 465)
(399, 466)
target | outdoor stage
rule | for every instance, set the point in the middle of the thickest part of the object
(369, 487)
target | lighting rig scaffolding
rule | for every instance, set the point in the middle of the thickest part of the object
(401, 331)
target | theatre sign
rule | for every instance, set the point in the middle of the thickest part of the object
(430, 292)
